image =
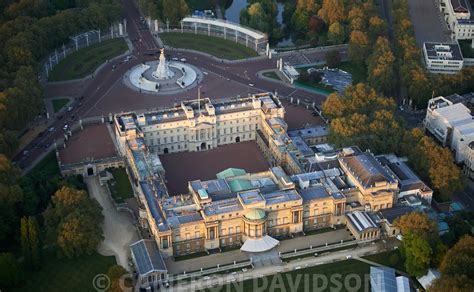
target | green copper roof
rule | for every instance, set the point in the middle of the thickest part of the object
(238, 185)
(255, 214)
(230, 172)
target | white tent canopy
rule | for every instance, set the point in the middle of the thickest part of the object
(259, 245)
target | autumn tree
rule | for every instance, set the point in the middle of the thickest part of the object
(117, 280)
(361, 117)
(74, 220)
(433, 163)
(381, 71)
(417, 223)
(456, 274)
(336, 34)
(358, 46)
(332, 11)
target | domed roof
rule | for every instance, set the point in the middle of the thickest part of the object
(255, 214)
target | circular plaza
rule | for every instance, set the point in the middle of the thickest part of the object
(162, 77)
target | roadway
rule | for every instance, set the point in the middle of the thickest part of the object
(104, 93)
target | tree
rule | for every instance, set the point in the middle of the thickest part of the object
(74, 219)
(381, 72)
(460, 256)
(361, 117)
(333, 59)
(358, 46)
(432, 162)
(11, 196)
(35, 242)
(25, 242)
(456, 274)
(115, 274)
(9, 271)
(416, 223)
(336, 33)
(457, 283)
(377, 28)
(30, 242)
(332, 11)
(417, 253)
(315, 24)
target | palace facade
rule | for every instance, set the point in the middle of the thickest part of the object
(308, 186)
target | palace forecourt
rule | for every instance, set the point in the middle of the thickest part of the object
(307, 185)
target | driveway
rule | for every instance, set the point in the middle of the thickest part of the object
(119, 231)
(428, 22)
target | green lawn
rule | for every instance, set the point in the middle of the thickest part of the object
(87, 60)
(217, 47)
(120, 187)
(59, 103)
(319, 87)
(466, 49)
(66, 274)
(200, 5)
(391, 259)
(311, 279)
(271, 74)
(49, 165)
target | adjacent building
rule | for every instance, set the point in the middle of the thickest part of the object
(459, 18)
(445, 58)
(453, 125)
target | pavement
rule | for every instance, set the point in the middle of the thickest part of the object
(466, 196)
(428, 22)
(105, 93)
(119, 231)
(236, 255)
(229, 281)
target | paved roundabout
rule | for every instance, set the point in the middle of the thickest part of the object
(162, 77)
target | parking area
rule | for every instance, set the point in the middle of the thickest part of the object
(187, 166)
(428, 21)
(92, 142)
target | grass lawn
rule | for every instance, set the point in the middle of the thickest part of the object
(66, 274)
(391, 259)
(59, 103)
(87, 60)
(311, 279)
(211, 45)
(271, 74)
(200, 5)
(48, 165)
(120, 187)
(319, 87)
(466, 49)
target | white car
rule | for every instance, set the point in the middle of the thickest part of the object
(183, 60)
(348, 257)
(251, 84)
(51, 129)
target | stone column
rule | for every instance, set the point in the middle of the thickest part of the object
(120, 29)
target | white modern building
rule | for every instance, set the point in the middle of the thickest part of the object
(453, 125)
(459, 18)
(227, 30)
(443, 58)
